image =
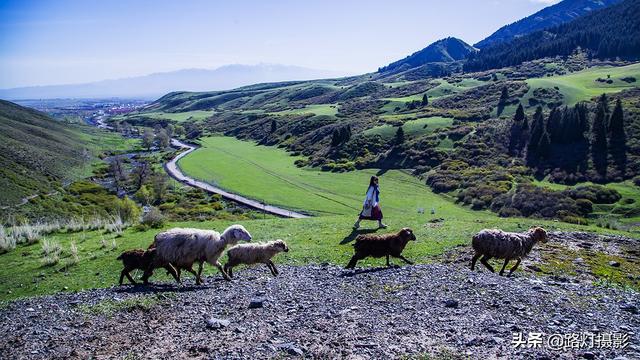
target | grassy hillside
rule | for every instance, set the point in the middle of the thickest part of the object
(587, 84)
(268, 173)
(36, 152)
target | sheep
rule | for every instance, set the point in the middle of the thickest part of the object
(381, 245)
(253, 254)
(490, 243)
(179, 268)
(181, 247)
(140, 259)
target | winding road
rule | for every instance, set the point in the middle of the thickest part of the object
(174, 171)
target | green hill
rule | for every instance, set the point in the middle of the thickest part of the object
(444, 50)
(36, 152)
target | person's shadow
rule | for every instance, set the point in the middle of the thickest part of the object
(354, 233)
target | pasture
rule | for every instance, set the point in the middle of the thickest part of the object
(412, 127)
(589, 83)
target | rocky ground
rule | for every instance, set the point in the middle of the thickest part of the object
(425, 311)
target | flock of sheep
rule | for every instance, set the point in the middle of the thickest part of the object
(179, 249)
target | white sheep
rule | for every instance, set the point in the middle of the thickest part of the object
(500, 244)
(254, 254)
(182, 247)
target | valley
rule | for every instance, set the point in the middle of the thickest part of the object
(536, 125)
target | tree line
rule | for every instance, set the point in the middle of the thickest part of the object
(608, 33)
(584, 143)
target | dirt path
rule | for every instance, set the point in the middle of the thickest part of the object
(173, 169)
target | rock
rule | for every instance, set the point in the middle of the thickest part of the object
(290, 349)
(451, 303)
(578, 260)
(256, 303)
(534, 268)
(213, 323)
(30, 309)
(614, 263)
(588, 355)
(630, 308)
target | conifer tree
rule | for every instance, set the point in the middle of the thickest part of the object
(617, 138)
(399, 136)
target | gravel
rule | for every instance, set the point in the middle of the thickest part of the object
(321, 311)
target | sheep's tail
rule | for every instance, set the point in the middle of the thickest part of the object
(119, 257)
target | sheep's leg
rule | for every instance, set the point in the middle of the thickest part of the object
(272, 267)
(514, 267)
(353, 261)
(224, 274)
(485, 262)
(506, 261)
(125, 272)
(194, 274)
(228, 268)
(172, 271)
(388, 263)
(404, 259)
(147, 274)
(473, 261)
(200, 267)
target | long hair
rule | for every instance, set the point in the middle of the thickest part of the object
(373, 182)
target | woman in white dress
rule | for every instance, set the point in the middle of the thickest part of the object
(371, 206)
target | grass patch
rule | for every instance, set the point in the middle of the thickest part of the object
(412, 127)
(584, 85)
(110, 307)
(318, 109)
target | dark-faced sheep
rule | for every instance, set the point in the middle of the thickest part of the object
(378, 246)
(493, 243)
(249, 254)
(183, 247)
(144, 260)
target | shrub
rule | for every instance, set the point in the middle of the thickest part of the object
(7, 241)
(153, 218)
(51, 250)
(128, 211)
(73, 251)
(597, 194)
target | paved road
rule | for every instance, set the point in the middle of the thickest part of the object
(173, 169)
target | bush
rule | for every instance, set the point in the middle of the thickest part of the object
(153, 218)
(7, 241)
(128, 211)
(51, 250)
(597, 194)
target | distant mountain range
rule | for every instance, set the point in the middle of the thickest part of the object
(560, 13)
(158, 84)
(445, 50)
(605, 34)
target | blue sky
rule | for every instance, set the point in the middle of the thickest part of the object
(59, 42)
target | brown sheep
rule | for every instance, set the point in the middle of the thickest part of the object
(378, 246)
(142, 260)
(493, 243)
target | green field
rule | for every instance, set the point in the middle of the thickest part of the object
(412, 127)
(181, 116)
(582, 85)
(318, 109)
(267, 173)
